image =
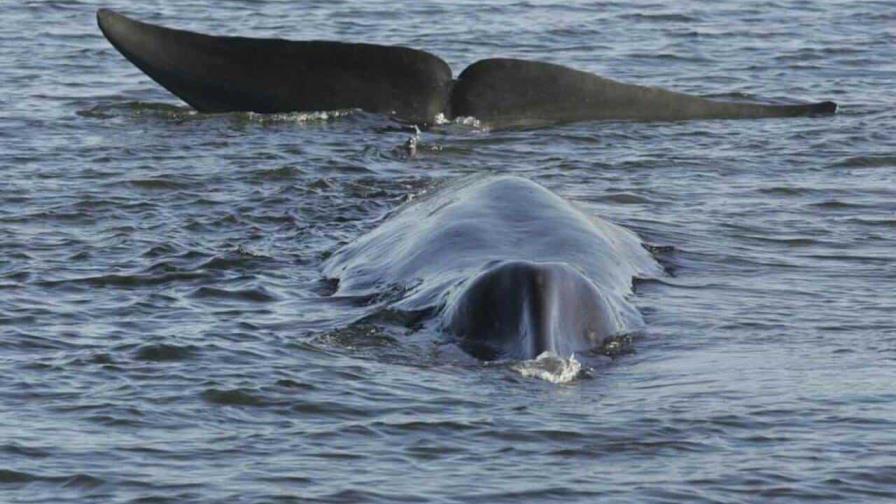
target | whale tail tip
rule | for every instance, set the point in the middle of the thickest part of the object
(113, 25)
(103, 15)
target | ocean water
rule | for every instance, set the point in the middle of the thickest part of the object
(166, 334)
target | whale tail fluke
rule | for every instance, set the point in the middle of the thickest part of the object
(238, 74)
(229, 74)
(757, 110)
(512, 92)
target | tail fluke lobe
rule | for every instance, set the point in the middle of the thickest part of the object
(511, 92)
(223, 74)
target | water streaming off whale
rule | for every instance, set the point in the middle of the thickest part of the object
(505, 251)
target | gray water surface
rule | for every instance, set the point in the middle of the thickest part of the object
(166, 334)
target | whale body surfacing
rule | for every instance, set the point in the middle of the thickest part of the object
(239, 74)
(511, 269)
(519, 310)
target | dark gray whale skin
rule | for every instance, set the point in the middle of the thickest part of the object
(509, 269)
(512, 92)
(233, 74)
(520, 309)
(229, 74)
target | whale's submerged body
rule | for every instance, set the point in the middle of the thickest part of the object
(227, 74)
(511, 269)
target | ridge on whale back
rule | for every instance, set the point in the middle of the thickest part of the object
(510, 269)
(231, 74)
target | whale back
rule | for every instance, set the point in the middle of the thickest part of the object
(434, 246)
(224, 74)
(520, 309)
(511, 268)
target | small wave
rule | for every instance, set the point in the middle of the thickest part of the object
(298, 117)
(237, 258)
(137, 108)
(874, 222)
(258, 294)
(233, 397)
(624, 198)
(804, 66)
(163, 352)
(155, 184)
(783, 191)
(22, 450)
(836, 204)
(446, 427)
(226, 262)
(885, 161)
(669, 57)
(292, 384)
(115, 280)
(9, 476)
(790, 241)
(661, 17)
(113, 421)
(281, 173)
(80, 256)
(159, 250)
(100, 358)
(17, 339)
(550, 367)
(854, 259)
(84, 481)
(656, 250)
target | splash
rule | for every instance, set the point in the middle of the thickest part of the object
(179, 113)
(470, 121)
(550, 367)
(299, 117)
(138, 108)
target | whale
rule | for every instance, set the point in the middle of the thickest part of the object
(241, 74)
(512, 92)
(507, 269)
